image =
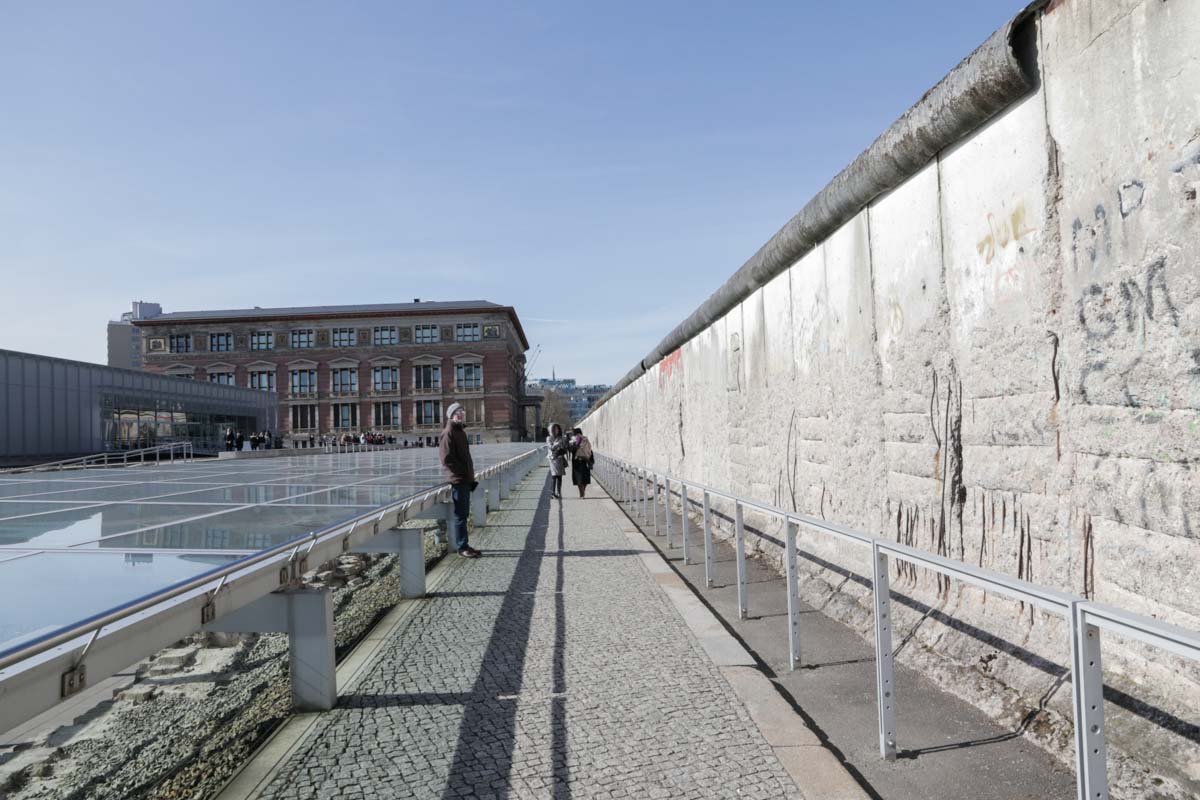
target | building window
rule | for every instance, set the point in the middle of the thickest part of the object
(427, 378)
(263, 379)
(343, 337)
(220, 342)
(468, 376)
(428, 412)
(387, 415)
(345, 415)
(224, 378)
(262, 340)
(303, 381)
(302, 338)
(427, 334)
(385, 335)
(385, 379)
(304, 418)
(474, 409)
(466, 332)
(344, 379)
(180, 342)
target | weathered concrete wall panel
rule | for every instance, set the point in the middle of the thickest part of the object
(998, 361)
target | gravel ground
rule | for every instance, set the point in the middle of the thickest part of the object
(202, 720)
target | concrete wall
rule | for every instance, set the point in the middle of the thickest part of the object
(998, 362)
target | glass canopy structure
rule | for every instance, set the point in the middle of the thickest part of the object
(75, 544)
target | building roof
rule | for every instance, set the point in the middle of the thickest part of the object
(317, 311)
(369, 309)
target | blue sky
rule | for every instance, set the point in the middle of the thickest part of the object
(603, 167)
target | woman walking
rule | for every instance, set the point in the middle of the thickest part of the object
(582, 461)
(557, 454)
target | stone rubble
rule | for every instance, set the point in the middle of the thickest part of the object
(198, 710)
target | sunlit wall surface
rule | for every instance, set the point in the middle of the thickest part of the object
(51, 408)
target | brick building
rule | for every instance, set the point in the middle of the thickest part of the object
(389, 368)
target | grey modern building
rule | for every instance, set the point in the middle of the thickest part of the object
(580, 397)
(125, 339)
(51, 409)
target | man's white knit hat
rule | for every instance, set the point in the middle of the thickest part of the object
(453, 408)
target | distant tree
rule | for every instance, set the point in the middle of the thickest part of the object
(555, 408)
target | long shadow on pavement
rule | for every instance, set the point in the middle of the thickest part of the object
(483, 754)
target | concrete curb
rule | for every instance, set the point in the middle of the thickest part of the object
(813, 767)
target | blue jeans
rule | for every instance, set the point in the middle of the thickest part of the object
(461, 494)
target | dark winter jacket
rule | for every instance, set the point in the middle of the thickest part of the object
(455, 452)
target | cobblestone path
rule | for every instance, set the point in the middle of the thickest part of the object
(553, 667)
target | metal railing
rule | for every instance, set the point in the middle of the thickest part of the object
(40, 671)
(142, 455)
(363, 448)
(642, 487)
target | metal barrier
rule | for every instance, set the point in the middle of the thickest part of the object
(639, 487)
(114, 458)
(260, 593)
(362, 448)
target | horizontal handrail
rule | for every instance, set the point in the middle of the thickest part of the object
(1049, 599)
(1086, 617)
(51, 640)
(103, 459)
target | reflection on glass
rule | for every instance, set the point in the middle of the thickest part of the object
(99, 582)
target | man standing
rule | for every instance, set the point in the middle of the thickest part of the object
(458, 469)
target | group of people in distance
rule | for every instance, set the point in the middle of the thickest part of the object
(259, 440)
(573, 451)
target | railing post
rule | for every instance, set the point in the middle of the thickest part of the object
(884, 675)
(739, 543)
(654, 504)
(645, 481)
(683, 499)
(793, 596)
(667, 507)
(1087, 696)
(639, 493)
(708, 548)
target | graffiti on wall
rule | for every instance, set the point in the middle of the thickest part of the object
(1117, 319)
(670, 367)
(1003, 232)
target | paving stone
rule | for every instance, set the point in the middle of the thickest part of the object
(554, 666)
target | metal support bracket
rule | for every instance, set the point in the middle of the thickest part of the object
(740, 545)
(1087, 695)
(793, 596)
(885, 689)
(74, 680)
(708, 543)
(684, 520)
(667, 508)
(654, 505)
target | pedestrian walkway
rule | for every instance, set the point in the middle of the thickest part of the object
(557, 666)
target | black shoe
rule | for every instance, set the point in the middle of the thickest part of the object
(467, 552)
